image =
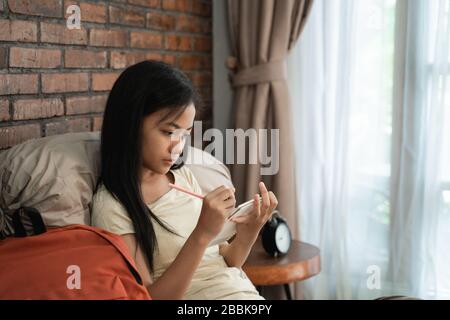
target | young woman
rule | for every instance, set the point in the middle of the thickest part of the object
(149, 112)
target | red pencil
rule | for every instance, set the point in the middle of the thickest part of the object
(186, 191)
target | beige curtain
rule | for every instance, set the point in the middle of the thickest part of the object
(262, 32)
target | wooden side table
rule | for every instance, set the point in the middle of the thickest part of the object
(300, 263)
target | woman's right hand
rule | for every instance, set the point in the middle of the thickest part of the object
(215, 211)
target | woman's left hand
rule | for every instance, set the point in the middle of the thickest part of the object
(248, 226)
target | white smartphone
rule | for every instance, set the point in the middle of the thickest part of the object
(229, 229)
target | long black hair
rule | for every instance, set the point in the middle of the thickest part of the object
(140, 90)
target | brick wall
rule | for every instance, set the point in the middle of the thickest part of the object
(55, 80)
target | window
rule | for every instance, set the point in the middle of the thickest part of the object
(371, 133)
(438, 86)
(367, 81)
(438, 20)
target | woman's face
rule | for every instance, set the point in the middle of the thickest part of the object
(163, 141)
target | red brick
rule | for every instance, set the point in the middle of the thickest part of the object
(193, 62)
(72, 125)
(4, 110)
(201, 79)
(37, 108)
(3, 54)
(80, 105)
(18, 83)
(207, 26)
(34, 58)
(84, 59)
(89, 12)
(203, 44)
(18, 30)
(49, 8)
(202, 7)
(177, 5)
(127, 17)
(59, 33)
(97, 125)
(10, 136)
(180, 43)
(103, 81)
(123, 59)
(170, 59)
(160, 21)
(146, 3)
(108, 38)
(192, 24)
(64, 82)
(150, 40)
(155, 56)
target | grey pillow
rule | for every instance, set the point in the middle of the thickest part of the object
(55, 175)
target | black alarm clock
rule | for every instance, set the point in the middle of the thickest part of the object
(276, 235)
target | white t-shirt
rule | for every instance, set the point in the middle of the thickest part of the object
(213, 279)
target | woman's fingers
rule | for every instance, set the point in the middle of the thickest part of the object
(223, 193)
(256, 205)
(273, 201)
(241, 219)
(229, 203)
(263, 210)
(227, 193)
(265, 197)
(216, 192)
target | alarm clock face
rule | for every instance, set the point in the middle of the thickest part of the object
(283, 238)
